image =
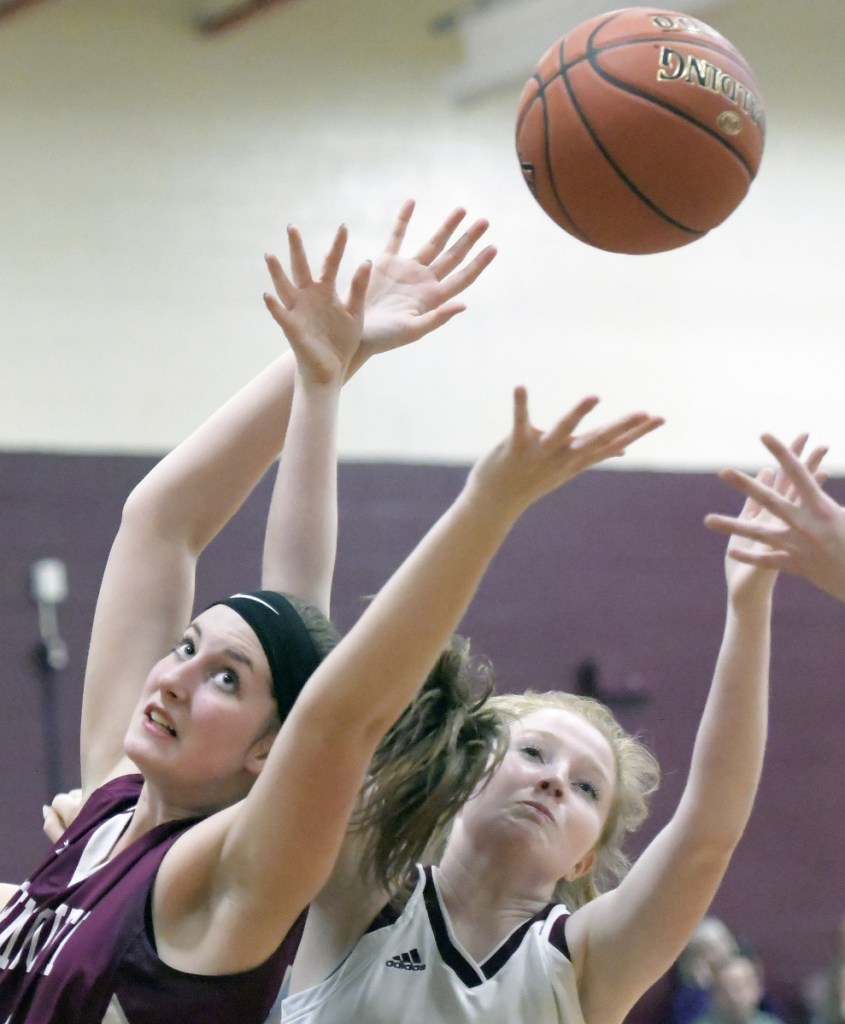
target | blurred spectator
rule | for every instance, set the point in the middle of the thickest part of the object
(824, 993)
(736, 993)
(712, 943)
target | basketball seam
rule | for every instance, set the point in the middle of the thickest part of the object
(633, 90)
(564, 73)
(549, 168)
(704, 43)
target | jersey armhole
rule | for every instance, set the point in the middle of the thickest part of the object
(557, 935)
(392, 911)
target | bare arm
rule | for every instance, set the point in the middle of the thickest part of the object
(301, 536)
(407, 298)
(624, 940)
(147, 590)
(185, 500)
(279, 846)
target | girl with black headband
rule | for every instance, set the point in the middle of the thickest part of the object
(170, 895)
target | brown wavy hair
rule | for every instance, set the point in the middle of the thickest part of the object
(427, 766)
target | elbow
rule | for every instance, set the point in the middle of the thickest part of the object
(151, 516)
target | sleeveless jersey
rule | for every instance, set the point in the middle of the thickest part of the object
(409, 967)
(77, 944)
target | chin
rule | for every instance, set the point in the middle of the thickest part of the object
(143, 754)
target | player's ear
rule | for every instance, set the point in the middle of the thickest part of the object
(583, 867)
(256, 756)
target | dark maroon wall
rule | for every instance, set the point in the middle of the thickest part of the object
(615, 569)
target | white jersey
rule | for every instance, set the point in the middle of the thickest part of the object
(409, 967)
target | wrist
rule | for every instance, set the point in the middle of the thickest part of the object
(328, 373)
(753, 602)
(322, 387)
(359, 357)
(489, 507)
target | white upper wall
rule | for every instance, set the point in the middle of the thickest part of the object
(145, 169)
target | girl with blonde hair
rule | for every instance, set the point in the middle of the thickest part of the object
(481, 934)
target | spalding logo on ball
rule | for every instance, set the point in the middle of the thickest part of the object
(640, 130)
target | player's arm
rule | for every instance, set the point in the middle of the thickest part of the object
(301, 535)
(407, 297)
(625, 939)
(338, 916)
(147, 590)
(180, 506)
(282, 841)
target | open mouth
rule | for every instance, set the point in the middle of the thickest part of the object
(158, 720)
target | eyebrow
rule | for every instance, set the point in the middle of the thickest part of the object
(231, 652)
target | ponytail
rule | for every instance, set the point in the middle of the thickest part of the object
(434, 757)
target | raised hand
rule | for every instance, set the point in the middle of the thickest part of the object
(531, 462)
(803, 529)
(323, 331)
(409, 296)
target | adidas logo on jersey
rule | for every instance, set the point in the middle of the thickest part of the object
(407, 961)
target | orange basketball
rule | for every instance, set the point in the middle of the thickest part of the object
(640, 130)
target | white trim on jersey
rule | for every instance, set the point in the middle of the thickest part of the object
(411, 967)
(100, 845)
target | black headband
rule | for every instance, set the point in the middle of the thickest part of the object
(290, 649)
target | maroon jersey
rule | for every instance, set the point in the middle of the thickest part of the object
(77, 944)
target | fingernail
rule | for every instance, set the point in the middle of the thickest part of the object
(44, 810)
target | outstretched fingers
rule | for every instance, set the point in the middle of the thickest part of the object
(462, 278)
(762, 558)
(400, 227)
(521, 422)
(766, 492)
(300, 270)
(813, 464)
(425, 323)
(614, 438)
(581, 451)
(287, 287)
(532, 462)
(285, 291)
(358, 290)
(778, 479)
(457, 253)
(740, 526)
(331, 264)
(619, 435)
(802, 475)
(761, 492)
(563, 430)
(438, 241)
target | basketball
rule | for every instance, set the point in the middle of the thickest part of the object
(640, 130)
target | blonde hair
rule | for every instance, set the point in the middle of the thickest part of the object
(637, 777)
